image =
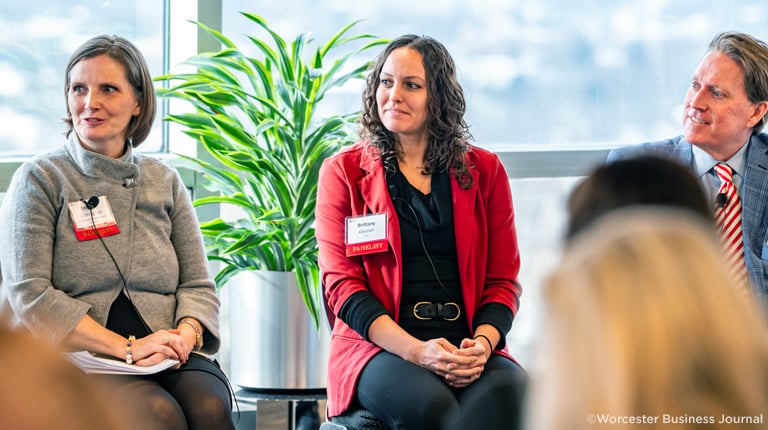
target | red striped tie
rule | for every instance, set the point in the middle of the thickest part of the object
(728, 218)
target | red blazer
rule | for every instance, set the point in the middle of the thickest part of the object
(352, 183)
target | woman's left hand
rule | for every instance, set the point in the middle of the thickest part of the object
(461, 375)
(170, 338)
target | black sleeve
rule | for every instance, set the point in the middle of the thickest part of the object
(498, 316)
(360, 310)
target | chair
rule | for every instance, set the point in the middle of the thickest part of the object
(354, 418)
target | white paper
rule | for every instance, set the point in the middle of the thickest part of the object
(366, 228)
(92, 364)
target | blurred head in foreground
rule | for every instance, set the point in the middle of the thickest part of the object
(643, 319)
(645, 180)
(41, 390)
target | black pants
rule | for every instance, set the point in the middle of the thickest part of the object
(406, 396)
(195, 396)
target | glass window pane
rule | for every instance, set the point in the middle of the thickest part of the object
(35, 44)
(545, 72)
(540, 220)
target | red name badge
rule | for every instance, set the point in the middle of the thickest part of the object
(90, 232)
(94, 221)
(366, 234)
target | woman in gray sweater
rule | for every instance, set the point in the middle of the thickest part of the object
(102, 250)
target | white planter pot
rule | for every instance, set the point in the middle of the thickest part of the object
(274, 343)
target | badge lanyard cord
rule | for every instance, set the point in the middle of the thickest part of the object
(423, 244)
(90, 207)
(90, 204)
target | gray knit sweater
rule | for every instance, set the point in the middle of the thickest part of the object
(51, 280)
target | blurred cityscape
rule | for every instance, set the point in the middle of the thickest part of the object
(545, 72)
(35, 44)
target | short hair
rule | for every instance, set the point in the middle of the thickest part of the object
(643, 180)
(137, 73)
(751, 55)
(448, 131)
(644, 318)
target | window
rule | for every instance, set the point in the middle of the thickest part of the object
(550, 85)
(35, 44)
(543, 73)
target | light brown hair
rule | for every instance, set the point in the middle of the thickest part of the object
(137, 73)
(643, 319)
(41, 390)
(751, 55)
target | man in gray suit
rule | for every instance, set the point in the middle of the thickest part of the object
(725, 110)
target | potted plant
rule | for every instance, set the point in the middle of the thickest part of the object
(255, 116)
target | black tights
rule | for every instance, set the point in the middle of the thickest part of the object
(406, 396)
(194, 397)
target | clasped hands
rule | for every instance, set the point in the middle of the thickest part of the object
(162, 345)
(459, 366)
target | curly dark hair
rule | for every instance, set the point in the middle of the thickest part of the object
(448, 132)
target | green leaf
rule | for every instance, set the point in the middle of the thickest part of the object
(255, 117)
(220, 37)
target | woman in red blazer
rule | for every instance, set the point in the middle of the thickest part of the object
(418, 249)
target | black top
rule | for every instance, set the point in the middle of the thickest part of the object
(124, 320)
(430, 269)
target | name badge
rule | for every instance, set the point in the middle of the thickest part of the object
(366, 234)
(94, 222)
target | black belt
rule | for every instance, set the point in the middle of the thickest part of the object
(448, 311)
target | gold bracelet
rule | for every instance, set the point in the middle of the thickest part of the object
(128, 353)
(198, 334)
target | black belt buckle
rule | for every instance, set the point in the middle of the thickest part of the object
(428, 310)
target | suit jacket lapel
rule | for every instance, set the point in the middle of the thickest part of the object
(755, 194)
(373, 185)
(465, 230)
(373, 188)
(683, 153)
